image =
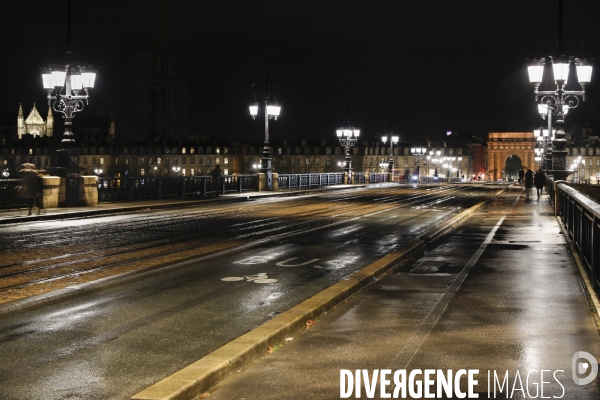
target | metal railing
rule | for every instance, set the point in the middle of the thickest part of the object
(581, 218)
(379, 177)
(8, 197)
(433, 179)
(132, 189)
(360, 177)
(297, 181)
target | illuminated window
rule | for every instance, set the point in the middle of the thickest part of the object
(218, 150)
(192, 151)
(225, 171)
(225, 160)
(183, 150)
(183, 172)
(217, 160)
(142, 171)
(101, 160)
(191, 171)
(30, 151)
(158, 160)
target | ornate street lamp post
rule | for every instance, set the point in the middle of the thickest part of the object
(348, 136)
(393, 140)
(272, 110)
(434, 156)
(556, 103)
(577, 163)
(418, 152)
(68, 86)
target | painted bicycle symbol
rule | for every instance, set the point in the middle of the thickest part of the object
(261, 277)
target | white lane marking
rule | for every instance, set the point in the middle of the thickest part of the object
(284, 263)
(261, 277)
(421, 333)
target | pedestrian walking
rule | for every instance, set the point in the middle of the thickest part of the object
(521, 175)
(539, 181)
(31, 186)
(216, 179)
(528, 183)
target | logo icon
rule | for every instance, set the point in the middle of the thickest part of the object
(580, 367)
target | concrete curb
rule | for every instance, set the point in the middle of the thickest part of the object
(200, 376)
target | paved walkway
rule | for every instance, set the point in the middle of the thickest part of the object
(501, 293)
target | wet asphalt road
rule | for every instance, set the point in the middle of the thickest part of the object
(499, 294)
(111, 344)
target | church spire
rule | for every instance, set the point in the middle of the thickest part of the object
(50, 123)
(20, 122)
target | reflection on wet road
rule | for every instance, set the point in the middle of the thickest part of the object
(112, 343)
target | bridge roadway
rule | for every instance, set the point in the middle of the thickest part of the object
(500, 294)
(115, 342)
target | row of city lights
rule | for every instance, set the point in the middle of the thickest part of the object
(65, 82)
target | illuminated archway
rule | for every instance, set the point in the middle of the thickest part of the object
(512, 165)
(502, 145)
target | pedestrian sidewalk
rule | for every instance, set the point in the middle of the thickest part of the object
(500, 293)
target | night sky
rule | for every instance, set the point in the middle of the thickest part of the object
(432, 66)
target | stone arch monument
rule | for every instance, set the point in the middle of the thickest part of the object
(502, 145)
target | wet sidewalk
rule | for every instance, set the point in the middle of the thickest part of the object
(500, 294)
